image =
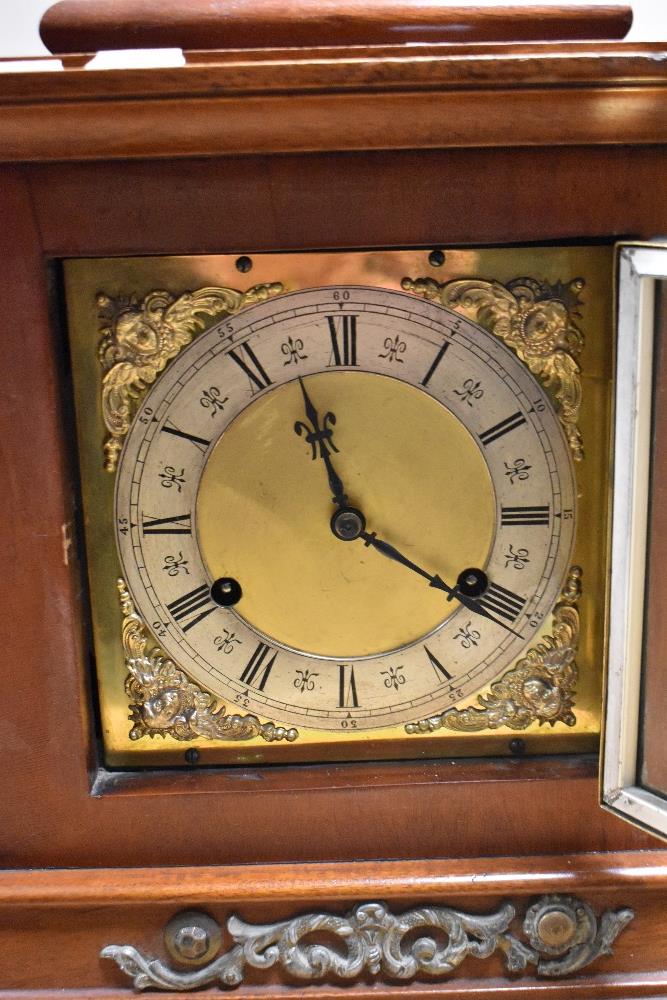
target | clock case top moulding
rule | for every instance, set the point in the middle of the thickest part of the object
(141, 333)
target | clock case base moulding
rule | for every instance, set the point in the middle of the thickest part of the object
(560, 304)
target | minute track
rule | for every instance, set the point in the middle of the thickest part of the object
(311, 496)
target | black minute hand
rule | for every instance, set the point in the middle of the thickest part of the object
(391, 552)
(320, 439)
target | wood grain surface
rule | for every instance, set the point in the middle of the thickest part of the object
(482, 163)
(348, 812)
(287, 101)
(90, 25)
(54, 923)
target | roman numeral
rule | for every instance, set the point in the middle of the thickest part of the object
(440, 672)
(524, 515)
(200, 443)
(500, 601)
(436, 361)
(504, 427)
(252, 366)
(343, 333)
(188, 605)
(179, 524)
(347, 687)
(257, 668)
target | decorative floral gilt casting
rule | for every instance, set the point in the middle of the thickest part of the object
(536, 320)
(165, 702)
(562, 934)
(139, 337)
(539, 688)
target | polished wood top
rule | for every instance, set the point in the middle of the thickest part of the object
(91, 25)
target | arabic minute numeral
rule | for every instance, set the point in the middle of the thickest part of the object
(123, 525)
(159, 629)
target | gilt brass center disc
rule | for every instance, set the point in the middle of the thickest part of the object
(264, 509)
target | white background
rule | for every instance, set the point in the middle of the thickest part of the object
(19, 22)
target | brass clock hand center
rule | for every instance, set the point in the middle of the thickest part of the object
(320, 439)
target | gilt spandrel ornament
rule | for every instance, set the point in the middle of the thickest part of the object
(536, 320)
(562, 935)
(165, 702)
(539, 688)
(139, 338)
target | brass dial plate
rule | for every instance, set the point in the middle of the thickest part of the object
(402, 395)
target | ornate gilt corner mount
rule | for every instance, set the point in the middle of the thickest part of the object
(562, 935)
(139, 338)
(536, 320)
(165, 702)
(539, 688)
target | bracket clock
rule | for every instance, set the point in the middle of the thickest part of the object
(332, 436)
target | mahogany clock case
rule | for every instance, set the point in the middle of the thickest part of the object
(510, 150)
(373, 199)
